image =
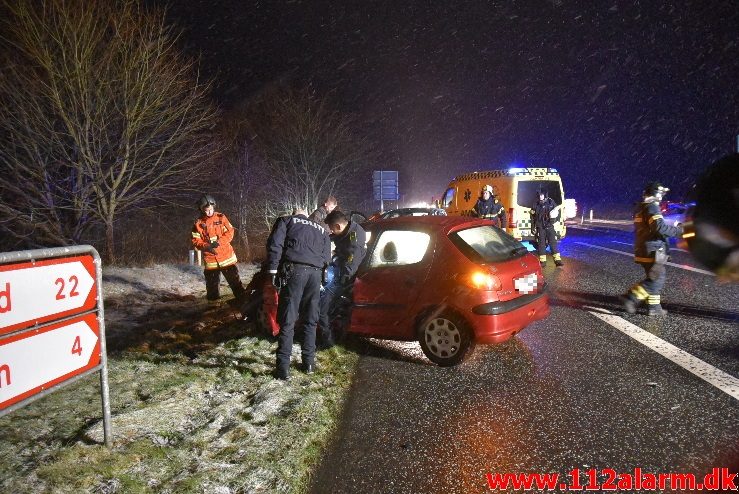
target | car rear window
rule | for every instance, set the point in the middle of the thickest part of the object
(528, 191)
(487, 244)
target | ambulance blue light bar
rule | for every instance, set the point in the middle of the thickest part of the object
(513, 171)
(553, 170)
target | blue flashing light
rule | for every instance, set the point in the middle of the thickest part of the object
(513, 171)
(553, 170)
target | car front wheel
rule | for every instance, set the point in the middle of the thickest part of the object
(445, 339)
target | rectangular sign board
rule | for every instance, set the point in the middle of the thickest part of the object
(36, 292)
(385, 185)
(35, 360)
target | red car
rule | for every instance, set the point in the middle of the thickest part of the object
(448, 282)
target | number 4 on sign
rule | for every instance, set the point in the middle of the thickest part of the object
(77, 346)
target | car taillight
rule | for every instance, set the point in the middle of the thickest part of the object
(511, 218)
(485, 281)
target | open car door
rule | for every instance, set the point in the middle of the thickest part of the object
(390, 282)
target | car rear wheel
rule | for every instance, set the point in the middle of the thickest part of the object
(445, 339)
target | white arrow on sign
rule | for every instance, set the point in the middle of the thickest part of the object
(32, 293)
(34, 361)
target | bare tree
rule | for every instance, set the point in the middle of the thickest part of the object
(100, 113)
(307, 149)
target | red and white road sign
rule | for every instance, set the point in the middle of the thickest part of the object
(37, 292)
(35, 360)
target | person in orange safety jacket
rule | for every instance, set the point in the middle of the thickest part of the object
(212, 233)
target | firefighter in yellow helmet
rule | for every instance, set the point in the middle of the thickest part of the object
(212, 233)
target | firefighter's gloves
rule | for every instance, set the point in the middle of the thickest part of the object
(214, 244)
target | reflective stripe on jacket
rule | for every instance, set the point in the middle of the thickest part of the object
(217, 228)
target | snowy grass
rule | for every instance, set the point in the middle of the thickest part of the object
(195, 408)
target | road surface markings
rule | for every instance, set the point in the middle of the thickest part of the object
(681, 266)
(716, 377)
(630, 244)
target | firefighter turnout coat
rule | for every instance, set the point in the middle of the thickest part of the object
(651, 232)
(490, 210)
(216, 228)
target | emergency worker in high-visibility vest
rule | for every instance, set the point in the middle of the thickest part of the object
(651, 251)
(212, 233)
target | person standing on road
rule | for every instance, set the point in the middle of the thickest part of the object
(319, 215)
(544, 214)
(298, 252)
(651, 250)
(212, 233)
(350, 240)
(488, 207)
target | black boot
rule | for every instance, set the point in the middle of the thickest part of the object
(282, 373)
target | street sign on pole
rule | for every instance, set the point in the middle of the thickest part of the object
(32, 361)
(52, 325)
(37, 292)
(385, 186)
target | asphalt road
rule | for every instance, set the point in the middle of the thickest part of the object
(576, 390)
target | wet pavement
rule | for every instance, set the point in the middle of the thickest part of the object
(569, 392)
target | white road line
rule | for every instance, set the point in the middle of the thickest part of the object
(716, 377)
(681, 266)
(630, 244)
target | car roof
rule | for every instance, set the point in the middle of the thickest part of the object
(439, 223)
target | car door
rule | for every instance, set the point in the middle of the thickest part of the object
(390, 282)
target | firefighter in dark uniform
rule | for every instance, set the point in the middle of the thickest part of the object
(488, 207)
(544, 214)
(651, 250)
(298, 252)
(350, 240)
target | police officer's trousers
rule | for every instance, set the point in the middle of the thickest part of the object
(213, 281)
(329, 296)
(298, 299)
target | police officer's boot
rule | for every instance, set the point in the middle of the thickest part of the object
(656, 310)
(309, 367)
(282, 373)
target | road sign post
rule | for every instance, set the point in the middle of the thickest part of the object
(52, 325)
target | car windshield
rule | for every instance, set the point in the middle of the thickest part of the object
(528, 191)
(485, 244)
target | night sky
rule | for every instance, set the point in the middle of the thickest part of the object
(613, 94)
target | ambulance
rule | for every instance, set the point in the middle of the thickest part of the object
(516, 188)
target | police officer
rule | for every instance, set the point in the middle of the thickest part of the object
(298, 251)
(212, 233)
(350, 240)
(651, 250)
(544, 214)
(488, 207)
(319, 215)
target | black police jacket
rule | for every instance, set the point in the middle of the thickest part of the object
(350, 249)
(490, 210)
(650, 231)
(540, 212)
(299, 240)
